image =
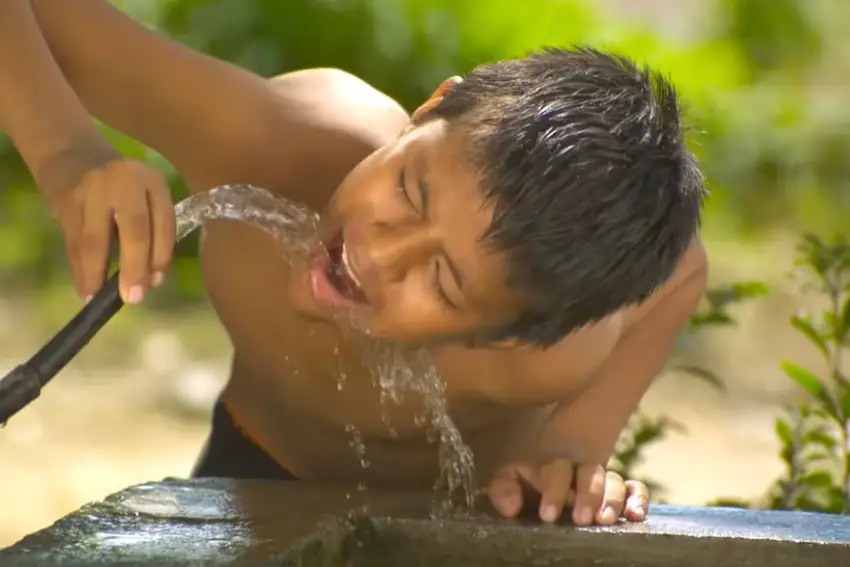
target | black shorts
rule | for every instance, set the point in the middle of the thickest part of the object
(230, 454)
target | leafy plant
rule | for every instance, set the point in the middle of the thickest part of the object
(642, 432)
(815, 435)
(715, 312)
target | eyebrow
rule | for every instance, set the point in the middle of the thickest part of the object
(425, 198)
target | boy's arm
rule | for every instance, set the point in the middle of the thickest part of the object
(587, 429)
(567, 465)
(216, 123)
(38, 110)
(203, 115)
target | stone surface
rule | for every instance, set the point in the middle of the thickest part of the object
(217, 522)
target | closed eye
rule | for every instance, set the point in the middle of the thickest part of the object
(441, 291)
(402, 188)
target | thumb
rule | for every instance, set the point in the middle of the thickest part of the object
(507, 488)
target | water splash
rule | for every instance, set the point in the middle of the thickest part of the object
(358, 445)
(294, 225)
(395, 370)
(398, 371)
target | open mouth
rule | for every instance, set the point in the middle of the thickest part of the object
(338, 271)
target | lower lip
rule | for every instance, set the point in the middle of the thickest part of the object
(323, 290)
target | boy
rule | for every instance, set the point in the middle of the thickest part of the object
(533, 225)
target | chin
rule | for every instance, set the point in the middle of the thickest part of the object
(301, 295)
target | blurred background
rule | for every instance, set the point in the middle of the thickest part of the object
(766, 87)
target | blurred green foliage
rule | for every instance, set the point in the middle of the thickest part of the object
(761, 80)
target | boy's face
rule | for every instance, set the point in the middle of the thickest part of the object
(403, 235)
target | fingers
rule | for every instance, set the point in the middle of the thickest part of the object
(596, 496)
(163, 229)
(133, 198)
(132, 216)
(92, 245)
(614, 501)
(590, 492)
(71, 222)
(556, 480)
(637, 501)
(506, 490)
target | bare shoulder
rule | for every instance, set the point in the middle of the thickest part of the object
(681, 291)
(321, 123)
(342, 104)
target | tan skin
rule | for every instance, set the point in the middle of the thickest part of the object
(412, 215)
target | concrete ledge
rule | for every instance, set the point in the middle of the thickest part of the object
(218, 522)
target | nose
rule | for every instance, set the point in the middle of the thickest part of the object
(392, 250)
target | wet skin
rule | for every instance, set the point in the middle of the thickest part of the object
(409, 208)
(412, 217)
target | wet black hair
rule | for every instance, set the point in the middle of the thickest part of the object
(595, 192)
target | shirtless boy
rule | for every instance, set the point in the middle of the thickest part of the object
(534, 225)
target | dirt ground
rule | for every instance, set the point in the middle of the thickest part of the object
(134, 406)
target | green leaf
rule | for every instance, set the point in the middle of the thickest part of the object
(805, 327)
(711, 318)
(818, 479)
(721, 297)
(845, 320)
(706, 376)
(750, 290)
(812, 253)
(784, 432)
(805, 379)
(845, 405)
(822, 438)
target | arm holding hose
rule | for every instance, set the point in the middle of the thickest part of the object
(92, 190)
(216, 123)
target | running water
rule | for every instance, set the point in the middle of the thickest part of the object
(395, 370)
(292, 224)
(398, 371)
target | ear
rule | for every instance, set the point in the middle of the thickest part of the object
(435, 98)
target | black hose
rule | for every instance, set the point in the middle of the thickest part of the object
(24, 383)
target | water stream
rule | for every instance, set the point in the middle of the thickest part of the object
(396, 371)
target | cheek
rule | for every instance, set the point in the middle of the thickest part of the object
(410, 314)
(406, 317)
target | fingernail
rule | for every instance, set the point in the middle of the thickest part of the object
(639, 510)
(135, 295)
(608, 515)
(87, 299)
(157, 278)
(584, 516)
(548, 513)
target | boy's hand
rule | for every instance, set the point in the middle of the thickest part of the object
(595, 496)
(120, 196)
